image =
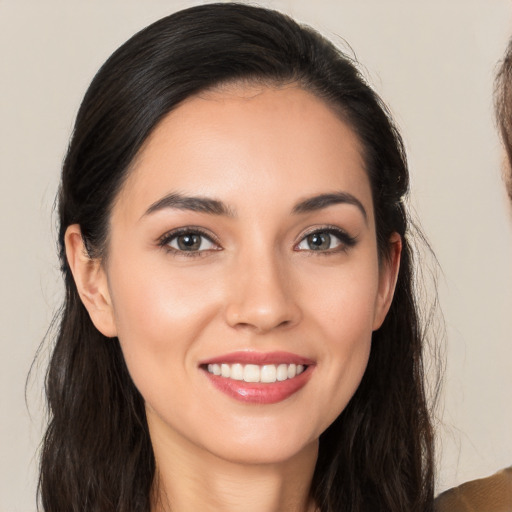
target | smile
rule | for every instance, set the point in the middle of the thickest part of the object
(267, 373)
(259, 378)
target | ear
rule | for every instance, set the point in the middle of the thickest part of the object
(388, 275)
(91, 282)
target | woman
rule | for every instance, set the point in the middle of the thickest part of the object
(239, 330)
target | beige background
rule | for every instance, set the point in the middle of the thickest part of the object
(433, 62)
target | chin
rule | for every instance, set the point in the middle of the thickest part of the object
(276, 451)
(262, 443)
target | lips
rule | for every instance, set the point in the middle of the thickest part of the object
(262, 378)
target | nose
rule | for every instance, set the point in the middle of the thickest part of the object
(262, 296)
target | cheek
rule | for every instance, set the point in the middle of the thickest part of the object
(344, 300)
(159, 314)
(344, 316)
(348, 335)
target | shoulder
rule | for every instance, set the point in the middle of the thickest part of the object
(491, 494)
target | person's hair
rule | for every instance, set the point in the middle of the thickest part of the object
(503, 108)
(96, 454)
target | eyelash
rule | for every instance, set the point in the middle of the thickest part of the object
(346, 241)
(165, 240)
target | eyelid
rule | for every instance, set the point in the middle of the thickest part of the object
(346, 240)
(164, 240)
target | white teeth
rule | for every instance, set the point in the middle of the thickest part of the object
(251, 373)
(214, 368)
(267, 373)
(282, 372)
(237, 372)
(225, 370)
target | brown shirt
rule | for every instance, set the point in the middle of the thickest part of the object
(491, 494)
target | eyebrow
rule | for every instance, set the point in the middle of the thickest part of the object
(211, 206)
(192, 203)
(321, 201)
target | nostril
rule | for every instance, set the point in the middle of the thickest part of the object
(262, 313)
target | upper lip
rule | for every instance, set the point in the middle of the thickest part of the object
(259, 358)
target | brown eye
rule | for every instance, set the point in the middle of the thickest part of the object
(190, 242)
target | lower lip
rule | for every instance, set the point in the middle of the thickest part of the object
(257, 392)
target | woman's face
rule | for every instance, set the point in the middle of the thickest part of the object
(243, 242)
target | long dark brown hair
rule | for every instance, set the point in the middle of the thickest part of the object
(97, 454)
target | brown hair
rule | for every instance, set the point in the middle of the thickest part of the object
(503, 108)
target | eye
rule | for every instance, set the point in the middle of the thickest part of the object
(188, 241)
(326, 240)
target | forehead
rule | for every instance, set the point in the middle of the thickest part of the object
(255, 140)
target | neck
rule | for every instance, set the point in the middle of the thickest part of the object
(189, 478)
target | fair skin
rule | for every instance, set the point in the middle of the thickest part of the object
(283, 264)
